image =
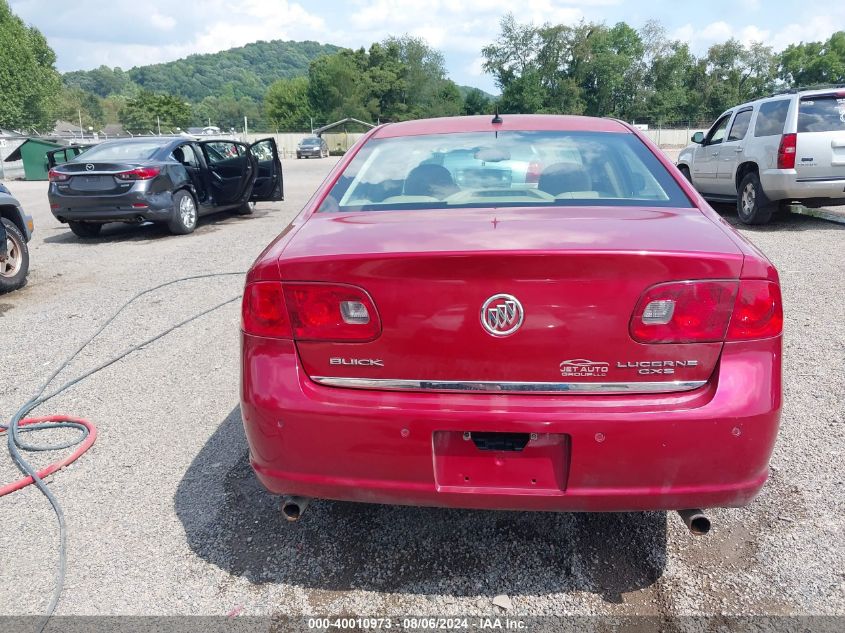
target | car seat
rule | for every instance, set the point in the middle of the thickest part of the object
(430, 180)
(561, 178)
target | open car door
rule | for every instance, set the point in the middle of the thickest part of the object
(230, 170)
(269, 184)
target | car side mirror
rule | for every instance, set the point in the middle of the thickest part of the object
(698, 137)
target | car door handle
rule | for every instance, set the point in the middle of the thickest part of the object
(737, 149)
(715, 153)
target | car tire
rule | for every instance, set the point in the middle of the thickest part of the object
(685, 171)
(85, 229)
(247, 208)
(752, 204)
(184, 216)
(14, 269)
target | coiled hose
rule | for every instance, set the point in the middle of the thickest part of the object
(20, 425)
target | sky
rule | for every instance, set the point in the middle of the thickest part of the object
(126, 33)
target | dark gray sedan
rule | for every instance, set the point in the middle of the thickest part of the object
(312, 147)
(168, 180)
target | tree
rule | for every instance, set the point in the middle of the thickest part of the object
(145, 112)
(338, 86)
(102, 81)
(476, 102)
(814, 62)
(427, 89)
(286, 105)
(28, 78)
(74, 102)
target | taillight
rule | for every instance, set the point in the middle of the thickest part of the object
(57, 176)
(140, 173)
(263, 311)
(331, 312)
(786, 151)
(708, 311)
(684, 312)
(533, 173)
(758, 312)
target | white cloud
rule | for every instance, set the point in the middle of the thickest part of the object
(161, 21)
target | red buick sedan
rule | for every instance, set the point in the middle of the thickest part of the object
(529, 312)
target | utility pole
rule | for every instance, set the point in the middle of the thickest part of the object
(246, 129)
(81, 130)
(158, 120)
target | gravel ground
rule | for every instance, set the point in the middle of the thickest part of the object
(165, 517)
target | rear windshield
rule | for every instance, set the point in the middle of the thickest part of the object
(121, 151)
(508, 169)
(822, 114)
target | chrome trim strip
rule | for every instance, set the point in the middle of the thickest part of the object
(391, 384)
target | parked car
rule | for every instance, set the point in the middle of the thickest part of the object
(312, 147)
(167, 180)
(16, 228)
(771, 152)
(602, 342)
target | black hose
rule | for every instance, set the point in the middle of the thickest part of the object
(16, 445)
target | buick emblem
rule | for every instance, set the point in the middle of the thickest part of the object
(89, 167)
(502, 315)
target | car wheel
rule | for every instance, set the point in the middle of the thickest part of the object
(752, 205)
(14, 268)
(247, 208)
(85, 229)
(685, 171)
(184, 217)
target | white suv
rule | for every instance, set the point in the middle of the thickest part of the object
(781, 149)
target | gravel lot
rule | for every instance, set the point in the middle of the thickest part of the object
(165, 517)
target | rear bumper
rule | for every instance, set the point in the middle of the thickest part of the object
(111, 208)
(705, 448)
(786, 184)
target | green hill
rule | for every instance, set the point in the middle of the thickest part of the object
(246, 71)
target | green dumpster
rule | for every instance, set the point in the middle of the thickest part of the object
(33, 153)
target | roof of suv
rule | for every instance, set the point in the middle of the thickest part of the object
(832, 90)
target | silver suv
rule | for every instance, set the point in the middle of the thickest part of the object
(774, 151)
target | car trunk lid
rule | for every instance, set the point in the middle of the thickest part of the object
(576, 272)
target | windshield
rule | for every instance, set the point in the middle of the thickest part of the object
(310, 141)
(121, 151)
(508, 169)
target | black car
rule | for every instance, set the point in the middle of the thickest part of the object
(312, 146)
(167, 180)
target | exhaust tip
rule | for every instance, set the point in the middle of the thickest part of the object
(696, 521)
(294, 507)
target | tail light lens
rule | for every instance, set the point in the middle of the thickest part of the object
(708, 311)
(331, 312)
(684, 312)
(533, 173)
(758, 312)
(141, 173)
(263, 311)
(786, 151)
(57, 176)
(309, 312)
